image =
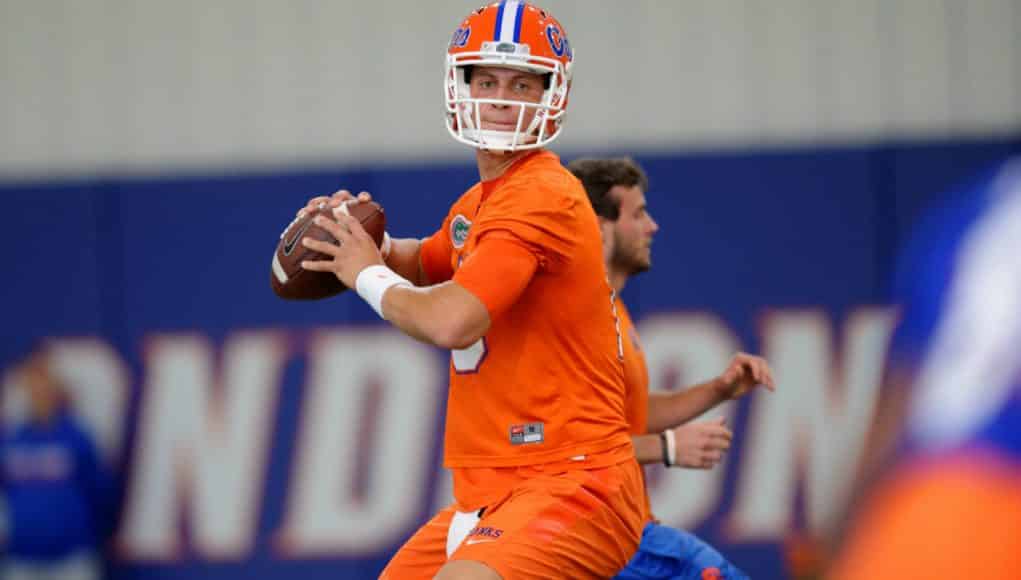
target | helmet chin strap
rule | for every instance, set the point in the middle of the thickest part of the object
(494, 141)
(506, 141)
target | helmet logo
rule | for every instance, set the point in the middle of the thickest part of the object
(558, 42)
(460, 38)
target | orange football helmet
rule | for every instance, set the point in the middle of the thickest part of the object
(510, 34)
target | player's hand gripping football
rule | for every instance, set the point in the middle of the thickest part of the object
(355, 249)
(744, 373)
(333, 200)
(703, 444)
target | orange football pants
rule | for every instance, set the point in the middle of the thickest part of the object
(574, 524)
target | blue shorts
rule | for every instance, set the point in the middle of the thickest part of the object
(671, 553)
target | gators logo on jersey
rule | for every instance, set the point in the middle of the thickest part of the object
(459, 228)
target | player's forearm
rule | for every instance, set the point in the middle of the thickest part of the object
(405, 259)
(648, 448)
(445, 315)
(668, 410)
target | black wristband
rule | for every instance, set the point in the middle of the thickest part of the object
(663, 447)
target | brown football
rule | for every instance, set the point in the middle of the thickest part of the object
(289, 280)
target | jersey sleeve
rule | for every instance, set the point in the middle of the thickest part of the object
(435, 255)
(543, 219)
(497, 273)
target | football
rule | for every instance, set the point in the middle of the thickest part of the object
(289, 280)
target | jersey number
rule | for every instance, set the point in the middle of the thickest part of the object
(469, 360)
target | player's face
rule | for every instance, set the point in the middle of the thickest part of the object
(489, 82)
(633, 231)
(42, 389)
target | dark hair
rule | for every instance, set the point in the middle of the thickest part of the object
(599, 176)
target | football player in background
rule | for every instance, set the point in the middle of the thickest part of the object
(59, 493)
(659, 422)
(945, 498)
(545, 480)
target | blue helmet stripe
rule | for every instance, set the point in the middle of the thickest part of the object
(499, 21)
(518, 18)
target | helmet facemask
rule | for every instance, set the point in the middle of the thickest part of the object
(464, 120)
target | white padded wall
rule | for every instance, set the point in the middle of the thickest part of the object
(147, 85)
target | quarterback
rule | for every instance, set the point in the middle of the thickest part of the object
(545, 480)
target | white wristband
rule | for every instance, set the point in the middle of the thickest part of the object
(373, 282)
(671, 447)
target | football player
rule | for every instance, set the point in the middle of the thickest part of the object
(545, 480)
(659, 422)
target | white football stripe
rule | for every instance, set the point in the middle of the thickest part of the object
(278, 270)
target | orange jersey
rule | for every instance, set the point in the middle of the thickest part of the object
(636, 382)
(636, 374)
(545, 384)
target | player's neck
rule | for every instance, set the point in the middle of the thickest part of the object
(617, 278)
(493, 164)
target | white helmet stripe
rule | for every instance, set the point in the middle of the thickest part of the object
(508, 21)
